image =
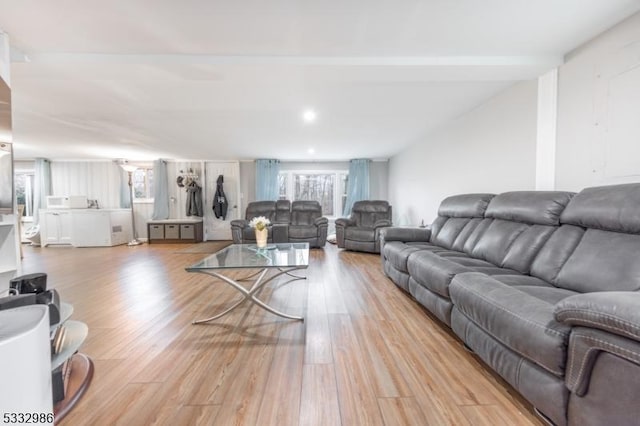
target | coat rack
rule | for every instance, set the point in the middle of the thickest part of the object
(186, 179)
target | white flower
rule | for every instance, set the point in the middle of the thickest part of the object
(259, 223)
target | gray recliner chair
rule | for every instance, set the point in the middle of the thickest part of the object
(278, 212)
(361, 231)
(307, 224)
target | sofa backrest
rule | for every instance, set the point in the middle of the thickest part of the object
(458, 216)
(516, 226)
(261, 208)
(597, 248)
(305, 212)
(275, 211)
(283, 211)
(367, 212)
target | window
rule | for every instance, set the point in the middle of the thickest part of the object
(325, 187)
(143, 184)
(23, 182)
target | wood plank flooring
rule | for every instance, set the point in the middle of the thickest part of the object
(366, 354)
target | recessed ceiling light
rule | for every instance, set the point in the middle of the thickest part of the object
(311, 151)
(309, 116)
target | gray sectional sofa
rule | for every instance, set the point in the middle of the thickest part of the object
(543, 287)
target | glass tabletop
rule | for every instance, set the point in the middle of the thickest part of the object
(250, 256)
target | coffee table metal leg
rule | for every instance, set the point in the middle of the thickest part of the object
(250, 294)
(221, 314)
(298, 277)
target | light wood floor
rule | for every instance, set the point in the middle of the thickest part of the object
(366, 353)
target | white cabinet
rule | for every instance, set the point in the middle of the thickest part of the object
(9, 250)
(56, 226)
(85, 227)
(101, 228)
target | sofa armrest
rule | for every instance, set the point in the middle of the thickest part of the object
(616, 312)
(587, 347)
(406, 235)
(382, 223)
(237, 226)
(239, 223)
(344, 222)
(321, 221)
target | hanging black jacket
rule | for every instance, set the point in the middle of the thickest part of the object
(220, 204)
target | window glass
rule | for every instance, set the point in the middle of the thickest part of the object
(327, 187)
(344, 181)
(317, 187)
(24, 191)
(143, 183)
(282, 186)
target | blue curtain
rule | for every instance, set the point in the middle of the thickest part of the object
(267, 180)
(125, 200)
(160, 190)
(41, 187)
(358, 185)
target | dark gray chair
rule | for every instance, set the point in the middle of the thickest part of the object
(307, 224)
(361, 231)
(278, 212)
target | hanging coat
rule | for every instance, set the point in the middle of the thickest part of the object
(220, 204)
(194, 200)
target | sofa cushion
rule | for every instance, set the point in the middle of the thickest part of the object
(465, 205)
(610, 208)
(510, 244)
(603, 261)
(533, 207)
(302, 231)
(457, 218)
(359, 234)
(555, 253)
(305, 212)
(516, 226)
(283, 211)
(523, 321)
(261, 208)
(397, 253)
(452, 233)
(367, 213)
(435, 270)
(522, 280)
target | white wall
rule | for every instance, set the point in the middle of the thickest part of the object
(489, 149)
(5, 58)
(598, 139)
(247, 183)
(98, 180)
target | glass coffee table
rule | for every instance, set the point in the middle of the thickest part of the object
(273, 261)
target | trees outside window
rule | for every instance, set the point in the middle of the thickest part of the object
(325, 187)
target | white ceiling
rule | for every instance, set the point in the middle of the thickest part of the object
(196, 79)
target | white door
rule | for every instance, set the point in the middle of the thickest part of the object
(219, 229)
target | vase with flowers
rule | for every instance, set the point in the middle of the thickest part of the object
(260, 224)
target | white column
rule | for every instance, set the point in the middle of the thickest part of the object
(25, 351)
(546, 131)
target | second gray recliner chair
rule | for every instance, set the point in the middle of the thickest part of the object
(361, 231)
